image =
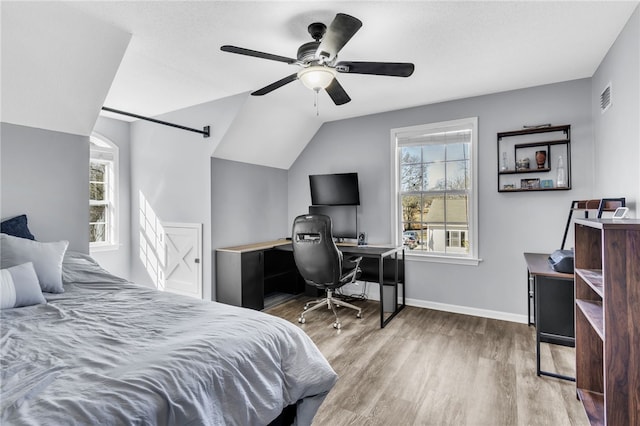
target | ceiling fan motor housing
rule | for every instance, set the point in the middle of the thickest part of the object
(307, 52)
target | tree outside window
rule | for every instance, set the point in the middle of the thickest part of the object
(102, 193)
(435, 192)
(98, 202)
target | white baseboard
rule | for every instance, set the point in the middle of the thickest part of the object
(374, 294)
(466, 310)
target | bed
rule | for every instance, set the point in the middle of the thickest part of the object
(107, 351)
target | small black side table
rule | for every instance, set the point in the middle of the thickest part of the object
(553, 304)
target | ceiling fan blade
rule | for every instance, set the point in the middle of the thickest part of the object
(394, 69)
(273, 86)
(340, 31)
(255, 53)
(337, 93)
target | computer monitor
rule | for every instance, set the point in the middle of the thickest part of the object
(344, 219)
(338, 189)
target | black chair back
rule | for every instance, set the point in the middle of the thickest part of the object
(318, 259)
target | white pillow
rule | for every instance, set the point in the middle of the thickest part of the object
(19, 286)
(46, 259)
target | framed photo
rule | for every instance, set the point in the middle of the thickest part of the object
(530, 183)
(546, 183)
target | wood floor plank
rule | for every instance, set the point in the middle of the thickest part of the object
(440, 407)
(492, 396)
(430, 367)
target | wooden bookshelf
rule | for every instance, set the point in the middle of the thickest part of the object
(607, 285)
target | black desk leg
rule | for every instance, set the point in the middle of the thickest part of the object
(381, 282)
(540, 372)
(396, 308)
(530, 298)
(404, 293)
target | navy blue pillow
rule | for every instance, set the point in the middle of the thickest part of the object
(17, 227)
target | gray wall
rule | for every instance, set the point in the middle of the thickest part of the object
(118, 261)
(45, 174)
(510, 223)
(171, 169)
(248, 204)
(617, 131)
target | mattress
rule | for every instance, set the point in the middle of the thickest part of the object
(107, 351)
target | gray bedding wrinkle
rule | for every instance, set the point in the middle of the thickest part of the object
(113, 352)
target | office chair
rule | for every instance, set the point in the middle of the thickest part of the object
(320, 263)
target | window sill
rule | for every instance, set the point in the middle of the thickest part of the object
(469, 261)
(103, 247)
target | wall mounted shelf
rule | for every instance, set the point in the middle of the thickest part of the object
(524, 144)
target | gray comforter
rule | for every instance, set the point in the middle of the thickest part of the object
(111, 352)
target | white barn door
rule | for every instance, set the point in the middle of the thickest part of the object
(183, 258)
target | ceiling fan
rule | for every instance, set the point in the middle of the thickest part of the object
(317, 60)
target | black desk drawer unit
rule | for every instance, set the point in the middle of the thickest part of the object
(245, 275)
(554, 311)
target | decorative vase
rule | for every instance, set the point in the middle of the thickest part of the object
(541, 158)
(561, 182)
(504, 166)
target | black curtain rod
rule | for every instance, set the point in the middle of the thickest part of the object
(204, 132)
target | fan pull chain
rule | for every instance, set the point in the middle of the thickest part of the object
(315, 102)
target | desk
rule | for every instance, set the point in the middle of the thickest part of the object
(391, 280)
(553, 303)
(245, 273)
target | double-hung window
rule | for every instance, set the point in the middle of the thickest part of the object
(103, 185)
(435, 185)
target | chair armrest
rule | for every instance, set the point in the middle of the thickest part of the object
(354, 259)
(352, 270)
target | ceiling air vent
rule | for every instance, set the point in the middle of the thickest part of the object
(605, 99)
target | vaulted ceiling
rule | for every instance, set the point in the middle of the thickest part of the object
(62, 60)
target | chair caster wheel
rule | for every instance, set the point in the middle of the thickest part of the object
(337, 325)
(302, 320)
(359, 315)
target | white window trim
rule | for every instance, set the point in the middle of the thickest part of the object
(396, 227)
(106, 145)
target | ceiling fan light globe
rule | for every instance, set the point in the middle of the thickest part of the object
(316, 77)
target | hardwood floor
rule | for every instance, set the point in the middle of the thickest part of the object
(436, 368)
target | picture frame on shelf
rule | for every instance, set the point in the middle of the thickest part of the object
(530, 183)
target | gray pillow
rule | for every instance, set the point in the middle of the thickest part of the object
(46, 258)
(19, 286)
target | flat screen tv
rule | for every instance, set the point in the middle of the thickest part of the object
(344, 220)
(339, 189)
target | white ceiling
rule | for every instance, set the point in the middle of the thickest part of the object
(460, 49)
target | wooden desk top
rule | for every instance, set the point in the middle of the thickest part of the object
(369, 250)
(538, 264)
(264, 245)
(377, 250)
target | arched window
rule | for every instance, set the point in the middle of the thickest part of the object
(103, 193)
